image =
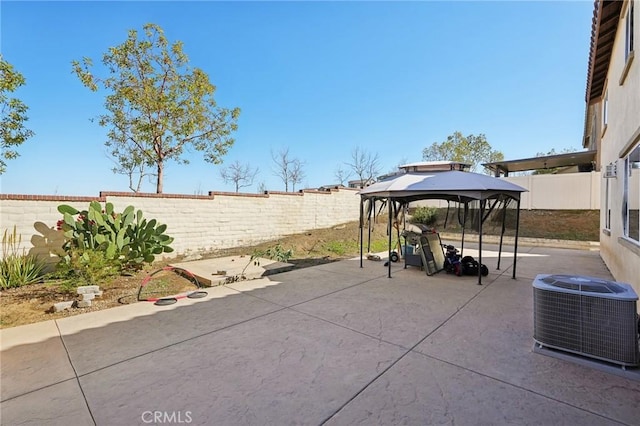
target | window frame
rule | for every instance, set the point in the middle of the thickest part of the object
(629, 24)
(629, 41)
(627, 201)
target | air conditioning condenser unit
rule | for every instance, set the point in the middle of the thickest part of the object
(588, 316)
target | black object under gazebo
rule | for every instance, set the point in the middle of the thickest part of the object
(451, 185)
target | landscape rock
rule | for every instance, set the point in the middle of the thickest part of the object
(61, 306)
(88, 289)
(84, 303)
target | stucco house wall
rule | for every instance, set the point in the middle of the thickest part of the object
(616, 140)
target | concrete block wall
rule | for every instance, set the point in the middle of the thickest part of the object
(197, 223)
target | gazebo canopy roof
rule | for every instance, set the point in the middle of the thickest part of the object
(447, 185)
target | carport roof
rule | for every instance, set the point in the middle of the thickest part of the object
(546, 162)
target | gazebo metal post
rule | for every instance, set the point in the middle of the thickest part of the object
(389, 228)
(405, 207)
(464, 223)
(446, 218)
(372, 207)
(504, 218)
(515, 248)
(480, 220)
(361, 227)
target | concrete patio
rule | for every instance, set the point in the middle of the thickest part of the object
(332, 344)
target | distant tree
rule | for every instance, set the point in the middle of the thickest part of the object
(13, 114)
(241, 175)
(132, 166)
(342, 175)
(296, 173)
(470, 149)
(402, 162)
(158, 106)
(288, 168)
(364, 164)
(199, 190)
(282, 161)
(262, 188)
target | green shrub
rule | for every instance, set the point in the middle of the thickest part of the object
(425, 215)
(126, 237)
(86, 267)
(16, 267)
(275, 253)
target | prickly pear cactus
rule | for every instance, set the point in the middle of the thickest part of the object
(126, 236)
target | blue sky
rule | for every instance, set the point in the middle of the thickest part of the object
(320, 78)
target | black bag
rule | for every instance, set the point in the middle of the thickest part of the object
(470, 267)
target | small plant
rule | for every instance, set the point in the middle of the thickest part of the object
(277, 253)
(425, 215)
(81, 267)
(16, 267)
(274, 253)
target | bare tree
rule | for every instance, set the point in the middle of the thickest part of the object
(403, 161)
(283, 164)
(342, 175)
(296, 173)
(364, 164)
(288, 168)
(134, 167)
(241, 175)
(262, 188)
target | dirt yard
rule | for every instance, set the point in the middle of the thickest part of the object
(33, 303)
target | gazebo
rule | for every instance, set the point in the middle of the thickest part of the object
(443, 180)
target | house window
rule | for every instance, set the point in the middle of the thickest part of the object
(628, 45)
(631, 210)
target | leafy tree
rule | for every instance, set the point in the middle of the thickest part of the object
(12, 130)
(364, 164)
(241, 175)
(158, 106)
(470, 149)
(288, 168)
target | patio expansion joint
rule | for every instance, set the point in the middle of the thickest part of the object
(248, 293)
(411, 349)
(40, 388)
(182, 341)
(547, 397)
(75, 373)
